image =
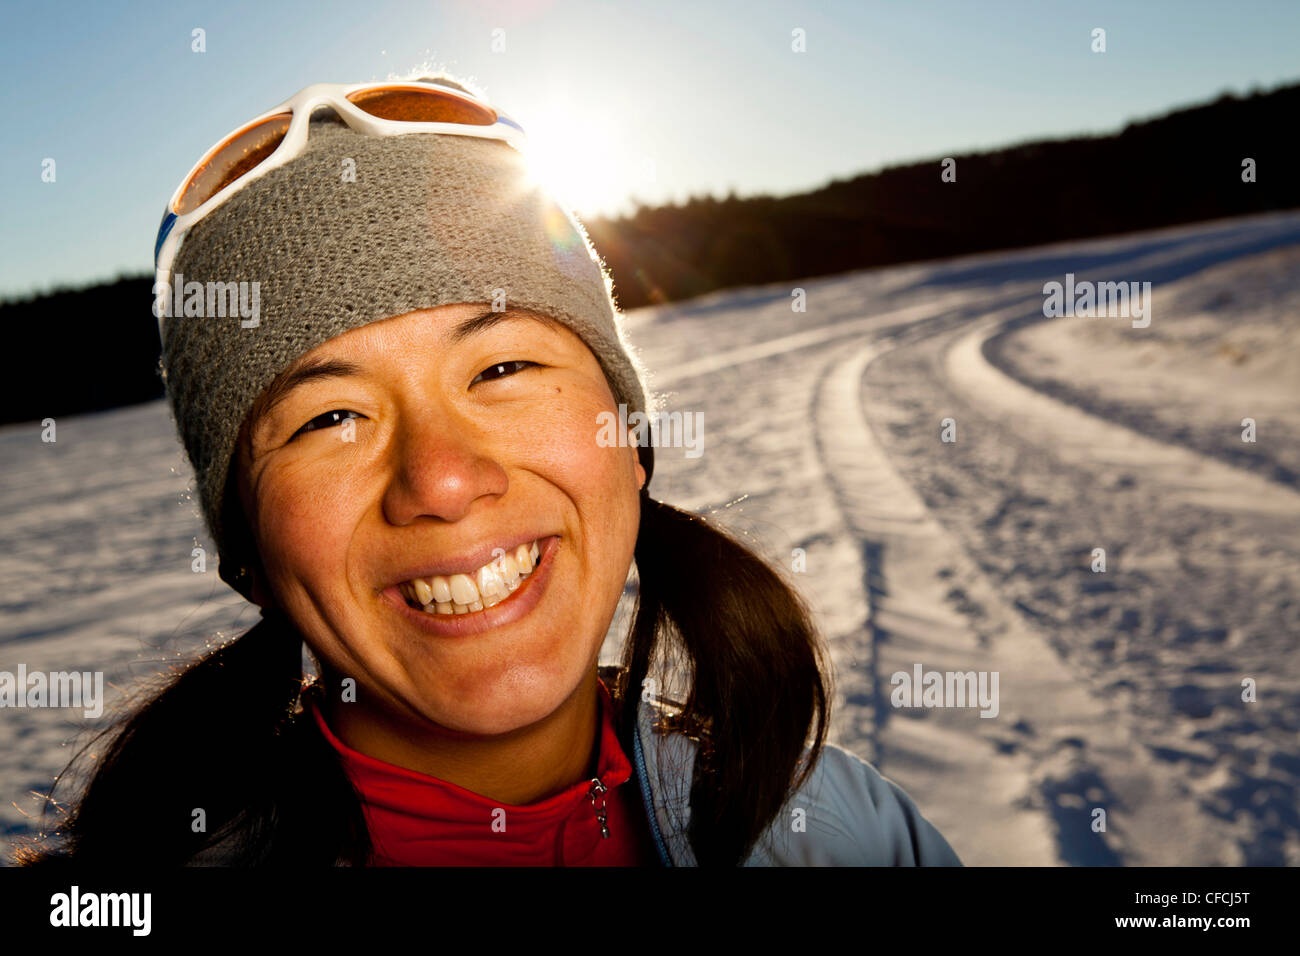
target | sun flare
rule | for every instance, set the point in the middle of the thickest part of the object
(577, 161)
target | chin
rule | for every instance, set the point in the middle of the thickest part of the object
(489, 705)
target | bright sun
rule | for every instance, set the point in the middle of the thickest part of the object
(577, 161)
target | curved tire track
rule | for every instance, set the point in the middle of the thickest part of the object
(1022, 787)
(1199, 590)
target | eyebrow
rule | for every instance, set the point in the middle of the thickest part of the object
(481, 323)
(307, 372)
(338, 368)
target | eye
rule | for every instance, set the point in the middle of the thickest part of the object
(328, 420)
(501, 370)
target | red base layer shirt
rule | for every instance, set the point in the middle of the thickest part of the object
(418, 820)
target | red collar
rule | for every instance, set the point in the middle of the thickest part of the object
(418, 820)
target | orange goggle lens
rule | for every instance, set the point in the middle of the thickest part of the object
(415, 105)
(236, 156)
(249, 147)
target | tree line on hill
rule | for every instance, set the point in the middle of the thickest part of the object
(97, 347)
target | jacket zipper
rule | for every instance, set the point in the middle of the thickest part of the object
(597, 795)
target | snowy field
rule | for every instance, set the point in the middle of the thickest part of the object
(1119, 691)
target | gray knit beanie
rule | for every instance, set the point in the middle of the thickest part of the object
(357, 229)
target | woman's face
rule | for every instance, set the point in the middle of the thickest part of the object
(418, 445)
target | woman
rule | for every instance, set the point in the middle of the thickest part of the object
(395, 441)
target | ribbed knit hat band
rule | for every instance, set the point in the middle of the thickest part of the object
(358, 229)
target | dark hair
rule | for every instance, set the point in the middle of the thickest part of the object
(758, 682)
(228, 736)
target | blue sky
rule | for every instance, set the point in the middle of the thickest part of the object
(657, 100)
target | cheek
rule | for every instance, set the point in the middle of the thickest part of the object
(560, 439)
(304, 519)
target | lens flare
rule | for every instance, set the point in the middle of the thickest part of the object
(575, 161)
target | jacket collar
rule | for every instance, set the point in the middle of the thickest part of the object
(665, 768)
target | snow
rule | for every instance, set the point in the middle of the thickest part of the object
(1119, 690)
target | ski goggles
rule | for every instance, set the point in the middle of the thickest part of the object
(391, 108)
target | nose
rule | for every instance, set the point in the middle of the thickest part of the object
(441, 465)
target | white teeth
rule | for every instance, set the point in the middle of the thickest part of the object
(490, 581)
(524, 558)
(463, 590)
(484, 588)
(510, 571)
(423, 593)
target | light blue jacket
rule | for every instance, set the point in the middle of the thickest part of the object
(852, 816)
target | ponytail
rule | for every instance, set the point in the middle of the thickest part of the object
(757, 684)
(222, 738)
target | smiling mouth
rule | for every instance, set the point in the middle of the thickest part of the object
(473, 590)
